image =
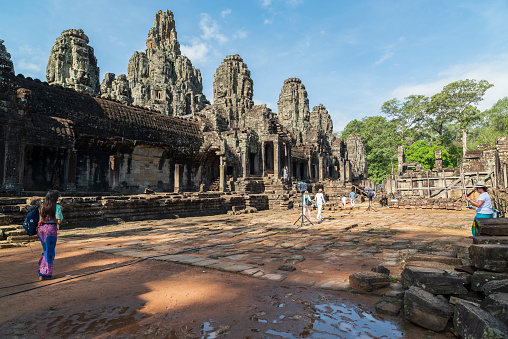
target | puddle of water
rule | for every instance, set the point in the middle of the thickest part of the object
(207, 331)
(340, 321)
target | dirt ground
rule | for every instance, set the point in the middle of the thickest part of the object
(103, 295)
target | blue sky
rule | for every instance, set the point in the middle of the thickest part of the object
(351, 55)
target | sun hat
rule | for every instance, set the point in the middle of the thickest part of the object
(480, 183)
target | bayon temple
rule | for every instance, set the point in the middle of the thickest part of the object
(153, 130)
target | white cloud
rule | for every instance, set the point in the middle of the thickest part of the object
(268, 21)
(211, 29)
(225, 13)
(387, 55)
(493, 69)
(196, 52)
(27, 66)
(294, 3)
(240, 34)
(265, 3)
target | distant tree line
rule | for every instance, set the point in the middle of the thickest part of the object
(448, 120)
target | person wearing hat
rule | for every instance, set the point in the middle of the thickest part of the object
(483, 204)
(320, 201)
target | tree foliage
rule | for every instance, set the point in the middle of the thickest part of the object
(425, 154)
(381, 139)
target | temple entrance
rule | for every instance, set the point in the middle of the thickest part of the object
(253, 163)
(211, 172)
(44, 168)
(269, 156)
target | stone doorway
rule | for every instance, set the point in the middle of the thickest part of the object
(269, 156)
(44, 168)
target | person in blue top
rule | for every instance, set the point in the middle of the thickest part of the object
(306, 203)
(352, 196)
(483, 204)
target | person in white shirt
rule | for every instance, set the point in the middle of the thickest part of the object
(344, 202)
(483, 204)
(320, 201)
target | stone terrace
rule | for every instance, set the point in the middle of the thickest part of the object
(266, 245)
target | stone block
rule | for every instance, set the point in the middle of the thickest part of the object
(489, 257)
(497, 305)
(492, 227)
(237, 268)
(295, 259)
(368, 281)
(434, 258)
(490, 240)
(435, 281)
(274, 276)
(472, 322)
(389, 306)
(480, 278)
(496, 286)
(426, 310)
(381, 269)
(289, 268)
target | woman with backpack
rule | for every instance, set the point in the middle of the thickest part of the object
(50, 217)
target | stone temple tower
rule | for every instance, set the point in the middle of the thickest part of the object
(161, 78)
(293, 107)
(232, 84)
(72, 63)
(6, 65)
(320, 120)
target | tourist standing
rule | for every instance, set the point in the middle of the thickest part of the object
(285, 174)
(483, 204)
(50, 217)
(352, 196)
(344, 202)
(306, 202)
(371, 195)
(320, 201)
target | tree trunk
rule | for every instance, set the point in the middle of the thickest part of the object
(464, 141)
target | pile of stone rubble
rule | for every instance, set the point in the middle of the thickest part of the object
(444, 293)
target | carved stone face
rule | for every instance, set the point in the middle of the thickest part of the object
(247, 89)
(288, 114)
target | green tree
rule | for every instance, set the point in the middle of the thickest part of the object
(380, 139)
(425, 154)
(408, 115)
(456, 104)
(494, 124)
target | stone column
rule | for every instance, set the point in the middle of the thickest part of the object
(70, 170)
(263, 165)
(14, 163)
(310, 167)
(244, 163)
(276, 162)
(401, 159)
(289, 161)
(320, 168)
(178, 179)
(222, 170)
(439, 159)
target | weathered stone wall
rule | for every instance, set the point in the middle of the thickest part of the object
(293, 109)
(91, 210)
(72, 63)
(6, 65)
(161, 78)
(356, 156)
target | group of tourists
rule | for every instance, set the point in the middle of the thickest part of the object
(50, 218)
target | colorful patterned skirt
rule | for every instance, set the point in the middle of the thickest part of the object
(479, 216)
(47, 233)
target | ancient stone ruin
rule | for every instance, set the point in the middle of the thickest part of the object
(72, 63)
(154, 131)
(159, 78)
(6, 65)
